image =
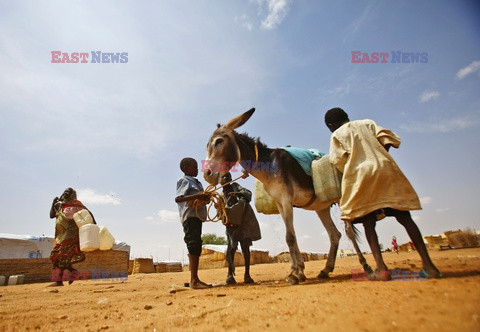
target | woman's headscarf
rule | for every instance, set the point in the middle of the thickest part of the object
(69, 195)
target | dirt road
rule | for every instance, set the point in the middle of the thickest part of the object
(144, 301)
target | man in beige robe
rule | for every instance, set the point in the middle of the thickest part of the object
(373, 186)
(371, 178)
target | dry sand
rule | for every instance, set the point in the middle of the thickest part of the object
(144, 302)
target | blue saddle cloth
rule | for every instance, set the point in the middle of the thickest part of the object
(304, 157)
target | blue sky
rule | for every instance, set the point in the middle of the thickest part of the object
(116, 131)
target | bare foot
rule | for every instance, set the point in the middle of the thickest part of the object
(199, 285)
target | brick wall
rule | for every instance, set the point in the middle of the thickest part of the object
(168, 267)
(40, 269)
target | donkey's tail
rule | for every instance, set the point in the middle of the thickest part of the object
(352, 232)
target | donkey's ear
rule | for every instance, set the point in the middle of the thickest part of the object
(239, 120)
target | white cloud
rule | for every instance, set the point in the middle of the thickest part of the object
(168, 216)
(339, 90)
(245, 22)
(416, 217)
(89, 196)
(468, 70)
(442, 125)
(426, 200)
(428, 95)
(264, 225)
(248, 25)
(343, 88)
(277, 11)
(380, 85)
(360, 21)
(279, 229)
(162, 217)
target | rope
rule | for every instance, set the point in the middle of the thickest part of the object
(216, 200)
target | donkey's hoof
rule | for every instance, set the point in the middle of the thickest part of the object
(323, 275)
(248, 280)
(302, 277)
(231, 280)
(367, 268)
(292, 280)
(431, 273)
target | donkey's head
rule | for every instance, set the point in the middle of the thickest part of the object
(222, 149)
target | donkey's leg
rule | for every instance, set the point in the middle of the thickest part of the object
(352, 234)
(297, 265)
(406, 220)
(334, 236)
(372, 239)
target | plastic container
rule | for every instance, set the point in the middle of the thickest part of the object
(89, 237)
(106, 239)
(327, 180)
(16, 279)
(82, 218)
(263, 202)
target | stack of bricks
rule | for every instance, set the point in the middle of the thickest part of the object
(40, 269)
(163, 267)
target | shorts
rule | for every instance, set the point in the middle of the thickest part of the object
(192, 227)
(380, 214)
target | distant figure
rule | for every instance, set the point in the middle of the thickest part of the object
(412, 246)
(394, 244)
(188, 190)
(66, 246)
(245, 233)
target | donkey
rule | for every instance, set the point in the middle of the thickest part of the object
(286, 183)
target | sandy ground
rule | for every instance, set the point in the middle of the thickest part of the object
(144, 301)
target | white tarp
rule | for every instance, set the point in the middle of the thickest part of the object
(121, 246)
(14, 246)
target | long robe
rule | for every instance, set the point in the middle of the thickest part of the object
(371, 178)
(66, 250)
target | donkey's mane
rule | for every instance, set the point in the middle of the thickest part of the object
(252, 140)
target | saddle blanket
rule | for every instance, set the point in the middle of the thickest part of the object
(304, 157)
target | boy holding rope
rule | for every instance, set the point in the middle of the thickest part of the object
(190, 190)
(245, 233)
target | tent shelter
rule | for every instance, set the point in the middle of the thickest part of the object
(24, 246)
(29, 255)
